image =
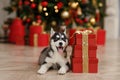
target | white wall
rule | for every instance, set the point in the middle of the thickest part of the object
(112, 20)
(3, 14)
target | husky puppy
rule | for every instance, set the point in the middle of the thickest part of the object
(55, 56)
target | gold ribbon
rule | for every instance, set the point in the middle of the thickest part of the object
(35, 37)
(85, 48)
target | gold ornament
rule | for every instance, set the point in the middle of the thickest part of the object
(55, 7)
(74, 5)
(32, 0)
(94, 3)
(46, 13)
(65, 14)
(24, 18)
(44, 9)
(79, 11)
(53, 23)
(92, 21)
(100, 4)
(56, 10)
(40, 7)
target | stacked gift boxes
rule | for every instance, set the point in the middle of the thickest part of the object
(37, 38)
(84, 58)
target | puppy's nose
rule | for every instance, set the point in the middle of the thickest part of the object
(60, 43)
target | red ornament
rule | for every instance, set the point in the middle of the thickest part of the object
(28, 20)
(84, 1)
(20, 3)
(97, 15)
(33, 5)
(79, 21)
(67, 22)
(44, 3)
(59, 5)
(85, 20)
(38, 17)
(39, 21)
(26, 2)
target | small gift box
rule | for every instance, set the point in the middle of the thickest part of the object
(101, 37)
(79, 39)
(39, 40)
(83, 65)
(77, 51)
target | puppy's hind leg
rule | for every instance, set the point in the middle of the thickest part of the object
(44, 68)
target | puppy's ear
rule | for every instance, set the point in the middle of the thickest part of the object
(52, 32)
(65, 31)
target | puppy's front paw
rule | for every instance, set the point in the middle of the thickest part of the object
(42, 70)
(62, 71)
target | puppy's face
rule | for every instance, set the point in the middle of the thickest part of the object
(59, 40)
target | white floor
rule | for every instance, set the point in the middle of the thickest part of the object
(20, 63)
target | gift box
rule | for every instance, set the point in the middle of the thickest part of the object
(81, 65)
(39, 40)
(16, 29)
(101, 37)
(77, 51)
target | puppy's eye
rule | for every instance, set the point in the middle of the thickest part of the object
(62, 36)
(57, 36)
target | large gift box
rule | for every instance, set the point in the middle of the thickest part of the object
(77, 51)
(84, 53)
(17, 32)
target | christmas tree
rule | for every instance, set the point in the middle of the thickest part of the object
(54, 13)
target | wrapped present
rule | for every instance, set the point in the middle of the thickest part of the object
(39, 40)
(82, 65)
(85, 54)
(16, 29)
(101, 37)
(77, 51)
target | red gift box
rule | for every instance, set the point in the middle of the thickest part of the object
(41, 40)
(20, 40)
(77, 65)
(101, 37)
(77, 51)
(16, 29)
(91, 39)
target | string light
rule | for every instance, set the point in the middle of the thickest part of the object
(56, 10)
(44, 9)
(46, 13)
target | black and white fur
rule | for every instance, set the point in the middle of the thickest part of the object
(51, 57)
